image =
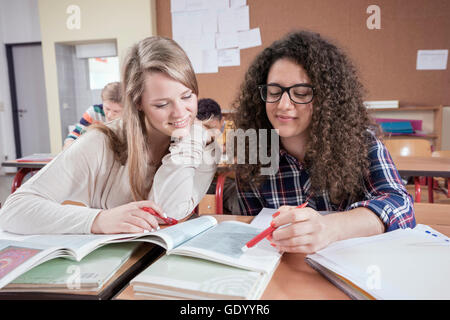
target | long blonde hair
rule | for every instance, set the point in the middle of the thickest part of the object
(152, 54)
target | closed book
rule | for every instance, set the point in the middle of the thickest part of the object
(397, 127)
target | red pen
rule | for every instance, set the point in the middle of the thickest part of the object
(165, 218)
(269, 230)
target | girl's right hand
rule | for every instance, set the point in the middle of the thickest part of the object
(128, 218)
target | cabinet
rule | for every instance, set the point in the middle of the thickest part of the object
(416, 113)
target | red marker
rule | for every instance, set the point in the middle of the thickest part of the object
(165, 218)
(268, 231)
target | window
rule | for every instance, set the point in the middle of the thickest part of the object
(103, 71)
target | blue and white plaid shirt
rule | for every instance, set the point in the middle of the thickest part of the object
(384, 192)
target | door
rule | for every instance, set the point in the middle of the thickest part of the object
(29, 102)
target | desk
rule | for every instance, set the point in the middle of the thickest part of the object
(294, 279)
(24, 167)
(423, 166)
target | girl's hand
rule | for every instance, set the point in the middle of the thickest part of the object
(308, 231)
(128, 218)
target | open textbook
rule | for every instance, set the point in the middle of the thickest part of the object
(89, 274)
(403, 264)
(202, 237)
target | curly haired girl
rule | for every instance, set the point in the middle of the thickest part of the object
(330, 151)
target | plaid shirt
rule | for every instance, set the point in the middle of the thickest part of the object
(384, 192)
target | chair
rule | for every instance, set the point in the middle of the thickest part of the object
(443, 154)
(413, 147)
(213, 203)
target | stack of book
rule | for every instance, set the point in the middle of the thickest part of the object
(208, 263)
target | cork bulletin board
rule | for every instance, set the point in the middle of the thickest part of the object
(385, 57)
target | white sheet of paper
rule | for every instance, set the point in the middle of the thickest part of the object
(227, 40)
(195, 55)
(209, 21)
(432, 59)
(218, 4)
(249, 39)
(184, 23)
(229, 57)
(210, 61)
(237, 3)
(177, 5)
(242, 18)
(234, 19)
(263, 219)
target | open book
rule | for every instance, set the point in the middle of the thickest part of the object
(202, 237)
(89, 274)
(402, 264)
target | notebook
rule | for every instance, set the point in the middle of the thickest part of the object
(405, 264)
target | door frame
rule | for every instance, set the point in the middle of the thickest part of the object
(13, 91)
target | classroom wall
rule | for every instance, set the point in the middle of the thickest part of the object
(19, 22)
(386, 58)
(125, 21)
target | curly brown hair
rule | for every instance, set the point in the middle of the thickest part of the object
(337, 150)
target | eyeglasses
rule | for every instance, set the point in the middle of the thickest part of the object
(298, 93)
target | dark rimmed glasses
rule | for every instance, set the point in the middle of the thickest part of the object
(301, 93)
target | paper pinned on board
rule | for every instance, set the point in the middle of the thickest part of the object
(229, 57)
(249, 39)
(213, 31)
(238, 3)
(234, 19)
(227, 40)
(432, 59)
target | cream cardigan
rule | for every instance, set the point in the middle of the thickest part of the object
(88, 173)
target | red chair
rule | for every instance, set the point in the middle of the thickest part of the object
(20, 175)
(219, 190)
(443, 154)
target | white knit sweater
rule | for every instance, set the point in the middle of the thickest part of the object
(88, 173)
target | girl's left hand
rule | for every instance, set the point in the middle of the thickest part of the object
(308, 231)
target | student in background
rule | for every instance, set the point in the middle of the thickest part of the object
(308, 89)
(210, 112)
(151, 157)
(110, 109)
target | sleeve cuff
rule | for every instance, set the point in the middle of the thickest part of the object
(393, 217)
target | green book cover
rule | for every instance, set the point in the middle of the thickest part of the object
(174, 276)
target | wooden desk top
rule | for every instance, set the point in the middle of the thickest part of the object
(423, 166)
(294, 279)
